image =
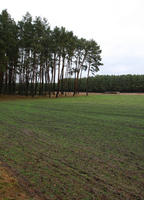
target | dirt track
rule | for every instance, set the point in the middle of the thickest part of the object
(16, 97)
(131, 93)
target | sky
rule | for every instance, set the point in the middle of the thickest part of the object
(116, 25)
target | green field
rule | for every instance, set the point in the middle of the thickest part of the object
(76, 148)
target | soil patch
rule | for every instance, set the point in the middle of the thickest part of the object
(9, 187)
(68, 94)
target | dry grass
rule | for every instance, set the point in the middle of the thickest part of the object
(9, 187)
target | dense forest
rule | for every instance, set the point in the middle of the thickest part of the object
(36, 60)
(121, 83)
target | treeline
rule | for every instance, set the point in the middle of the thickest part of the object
(36, 60)
(121, 83)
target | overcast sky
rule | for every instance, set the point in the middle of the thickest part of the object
(116, 25)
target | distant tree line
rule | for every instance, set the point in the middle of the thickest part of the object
(121, 83)
(36, 60)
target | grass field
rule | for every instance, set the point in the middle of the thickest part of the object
(76, 148)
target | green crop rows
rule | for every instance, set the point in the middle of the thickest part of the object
(82, 148)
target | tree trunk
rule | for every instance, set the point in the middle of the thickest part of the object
(62, 76)
(58, 84)
(87, 80)
(54, 71)
(1, 81)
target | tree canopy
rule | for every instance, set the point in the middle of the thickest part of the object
(34, 59)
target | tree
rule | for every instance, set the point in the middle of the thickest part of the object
(93, 60)
(8, 52)
(37, 60)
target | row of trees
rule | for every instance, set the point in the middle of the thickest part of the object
(37, 60)
(121, 83)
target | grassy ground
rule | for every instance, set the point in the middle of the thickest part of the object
(82, 148)
(9, 187)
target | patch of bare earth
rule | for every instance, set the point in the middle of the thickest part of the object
(9, 187)
(132, 93)
(67, 94)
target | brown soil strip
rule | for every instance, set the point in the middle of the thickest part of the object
(14, 186)
(9, 187)
(18, 97)
(69, 94)
(131, 93)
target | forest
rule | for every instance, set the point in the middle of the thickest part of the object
(105, 83)
(36, 60)
(87, 147)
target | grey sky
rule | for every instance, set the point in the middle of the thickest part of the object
(116, 25)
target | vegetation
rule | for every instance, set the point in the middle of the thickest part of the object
(122, 83)
(33, 58)
(84, 148)
(76, 148)
(9, 187)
